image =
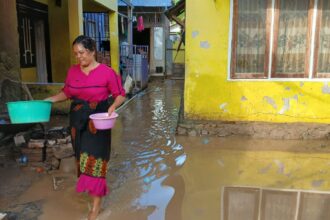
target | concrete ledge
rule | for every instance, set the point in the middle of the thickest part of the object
(254, 129)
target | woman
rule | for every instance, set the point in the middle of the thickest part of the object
(88, 85)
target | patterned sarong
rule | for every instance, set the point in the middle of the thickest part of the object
(92, 147)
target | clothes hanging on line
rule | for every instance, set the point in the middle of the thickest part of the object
(140, 25)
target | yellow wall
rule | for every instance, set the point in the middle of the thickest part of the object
(178, 56)
(59, 40)
(29, 74)
(75, 23)
(114, 41)
(208, 93)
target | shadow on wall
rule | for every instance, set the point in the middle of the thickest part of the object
(10, 91)
(10, 87)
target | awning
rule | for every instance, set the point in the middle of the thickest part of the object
(173, 12)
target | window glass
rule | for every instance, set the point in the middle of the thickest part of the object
(292, 37)
(324, 40)
(251, 37)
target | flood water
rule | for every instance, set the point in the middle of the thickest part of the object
(145, 153)
(154, 175)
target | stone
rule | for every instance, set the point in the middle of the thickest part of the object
(192, 133)
(36, 143)
(199, 126)
(68, 165)
(62, 141)
(58, 182)
(260, 130)
(188, 126)
(3, 216)
(210, 126)
(319, 133)
(213, 132)
(33, 154)
(63, 151)
(182, 131)
(204, 132)
(223, 132)
(19, 139)
(68, 139)
(55, 163)
(51, 143)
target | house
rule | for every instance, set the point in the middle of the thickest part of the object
(154, 35)
(46, 30)
(254, 62)
(37, 35)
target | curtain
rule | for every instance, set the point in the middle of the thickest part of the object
(292, 36)
(324, 41)
(251, 36)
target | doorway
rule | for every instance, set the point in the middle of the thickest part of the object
(142, 39)
(34, 38)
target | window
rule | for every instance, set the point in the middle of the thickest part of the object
(249, 39)
(280, 39)
(27, 42)
(322, 57)
(96, 26)
(291, 43)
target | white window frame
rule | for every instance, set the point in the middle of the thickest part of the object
(311, 59)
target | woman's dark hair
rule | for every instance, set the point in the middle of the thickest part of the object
(86, 41)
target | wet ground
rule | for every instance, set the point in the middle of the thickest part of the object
(154, 175)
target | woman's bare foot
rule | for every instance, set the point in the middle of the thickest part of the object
(92, 215)
(94, 212)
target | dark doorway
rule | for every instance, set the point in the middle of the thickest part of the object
(142, 38)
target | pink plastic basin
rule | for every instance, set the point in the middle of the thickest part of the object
(103, 121)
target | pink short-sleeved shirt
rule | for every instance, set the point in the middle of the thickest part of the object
(94, 87)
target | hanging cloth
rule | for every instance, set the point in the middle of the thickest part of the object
(122, 25)
(140, 26)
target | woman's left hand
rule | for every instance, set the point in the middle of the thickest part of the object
(118, 101)
(111, 109)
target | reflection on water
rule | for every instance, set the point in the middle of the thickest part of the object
(268, 166)
(180, 160)
(145, 150)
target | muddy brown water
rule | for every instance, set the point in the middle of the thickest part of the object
(154, 175)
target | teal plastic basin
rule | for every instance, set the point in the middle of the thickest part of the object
(29, 111)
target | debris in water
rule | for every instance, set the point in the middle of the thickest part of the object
(206, 141)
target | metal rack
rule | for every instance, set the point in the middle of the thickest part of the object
(134, 63)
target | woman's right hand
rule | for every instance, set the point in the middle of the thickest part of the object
(57, 98)
(49, 99)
